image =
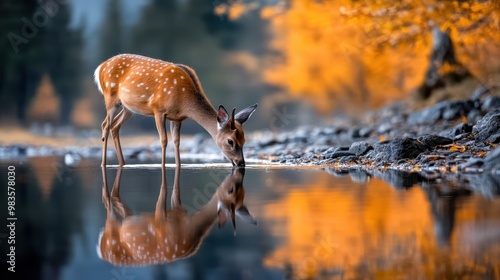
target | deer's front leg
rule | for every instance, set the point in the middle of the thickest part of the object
(160, 125)
(111, 110)
(176, 193)
(175, 130)
(161, 204)
(105, 195)
(120, 119)
(117, 204)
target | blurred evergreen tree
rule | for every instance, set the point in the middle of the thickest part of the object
(187, 32)
(63, 48)
(20, 56)
(156, 32)
(175, 31)
(38, 39)
(111, 41)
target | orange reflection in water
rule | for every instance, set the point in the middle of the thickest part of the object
(367, 230)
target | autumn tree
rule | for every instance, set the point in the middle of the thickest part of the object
(452, 31)
(335, 53)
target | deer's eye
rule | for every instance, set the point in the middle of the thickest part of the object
(230, 191)
(230, 142)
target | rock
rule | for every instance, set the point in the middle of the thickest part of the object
(447, 110)
(365, 132)
(384, 128)
(479, 92)
(460, 136)
(459, 129)
(472, 163)
(328, 131)
(495, 138)
(145, 155)
(338, 154)
(491, 103)
(324, 140)
(353, 133)
(336, 149)
(426, 116)
(299, 139)
(308, 156)
(492, 160)
(332, 149)
(72, 158)
(473, 116)
(348, 159)
(488, 126)
(399, 148)
(432, 141)
(456, 109)
(342, 148)
(360, 148)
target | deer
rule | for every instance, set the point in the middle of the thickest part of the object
(166, 235)
(134, 84)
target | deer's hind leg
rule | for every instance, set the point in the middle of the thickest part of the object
(160, 120)
(175, 129)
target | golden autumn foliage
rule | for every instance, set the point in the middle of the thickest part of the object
(336, 53)
(82, 115)
(45, 105)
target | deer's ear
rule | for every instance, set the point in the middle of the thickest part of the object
(233, 218)
(243, 115)
(245, 215)
(233, 127)
(222, 116)
(221, 214)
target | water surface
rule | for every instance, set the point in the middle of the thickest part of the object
(310, 225)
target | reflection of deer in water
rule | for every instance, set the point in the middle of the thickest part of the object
(166, 235)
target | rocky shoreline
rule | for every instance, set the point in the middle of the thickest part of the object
(453, 141)
(450, 137)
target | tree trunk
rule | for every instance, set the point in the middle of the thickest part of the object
(437, 75)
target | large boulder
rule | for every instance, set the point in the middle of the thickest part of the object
(487, 129)
(399, 148)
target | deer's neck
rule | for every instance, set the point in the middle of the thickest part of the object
(205, 218)
(204, 114)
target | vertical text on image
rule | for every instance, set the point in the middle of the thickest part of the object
(11, 217)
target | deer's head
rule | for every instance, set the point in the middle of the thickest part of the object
(230, 195)
(230, 135)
